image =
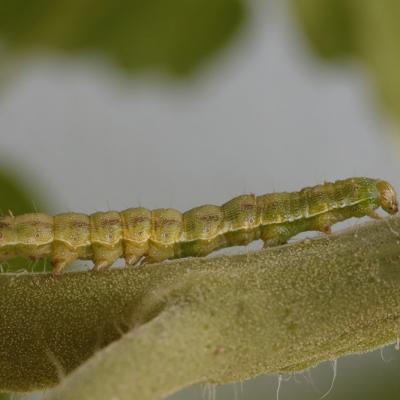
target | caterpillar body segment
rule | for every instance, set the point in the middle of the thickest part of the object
(138, 234)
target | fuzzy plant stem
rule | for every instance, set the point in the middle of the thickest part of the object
(145, 333)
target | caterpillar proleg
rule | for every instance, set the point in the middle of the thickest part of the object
(139, 234)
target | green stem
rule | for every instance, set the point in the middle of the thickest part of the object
(190, 354)
(201, 320)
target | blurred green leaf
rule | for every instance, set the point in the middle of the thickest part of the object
(173, 36)
(17, 198)
(366, 30)
(14, 196)
(328, 25)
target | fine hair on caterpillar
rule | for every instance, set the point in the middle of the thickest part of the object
(140, 235)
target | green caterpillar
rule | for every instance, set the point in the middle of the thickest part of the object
(142, 235)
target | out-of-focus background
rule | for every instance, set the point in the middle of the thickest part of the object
(110, 104)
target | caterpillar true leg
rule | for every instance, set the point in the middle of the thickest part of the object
(147, 260)
(104, 257)
(137, 262)
(132, 260)
(106, 236)
(134, 252)
(62, 255)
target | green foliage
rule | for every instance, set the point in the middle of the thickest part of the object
(328, 25)
(14, 195)
(173, 36)
(366, 30)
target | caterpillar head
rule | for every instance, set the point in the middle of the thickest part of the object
(387, 197)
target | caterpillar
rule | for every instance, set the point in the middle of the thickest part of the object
(143, 236)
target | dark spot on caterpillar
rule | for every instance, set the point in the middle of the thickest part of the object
(138, 219)
(165, 222)
(246, 207)
(79, 224)
(210, 218)
(110, 221)
(40, 223)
